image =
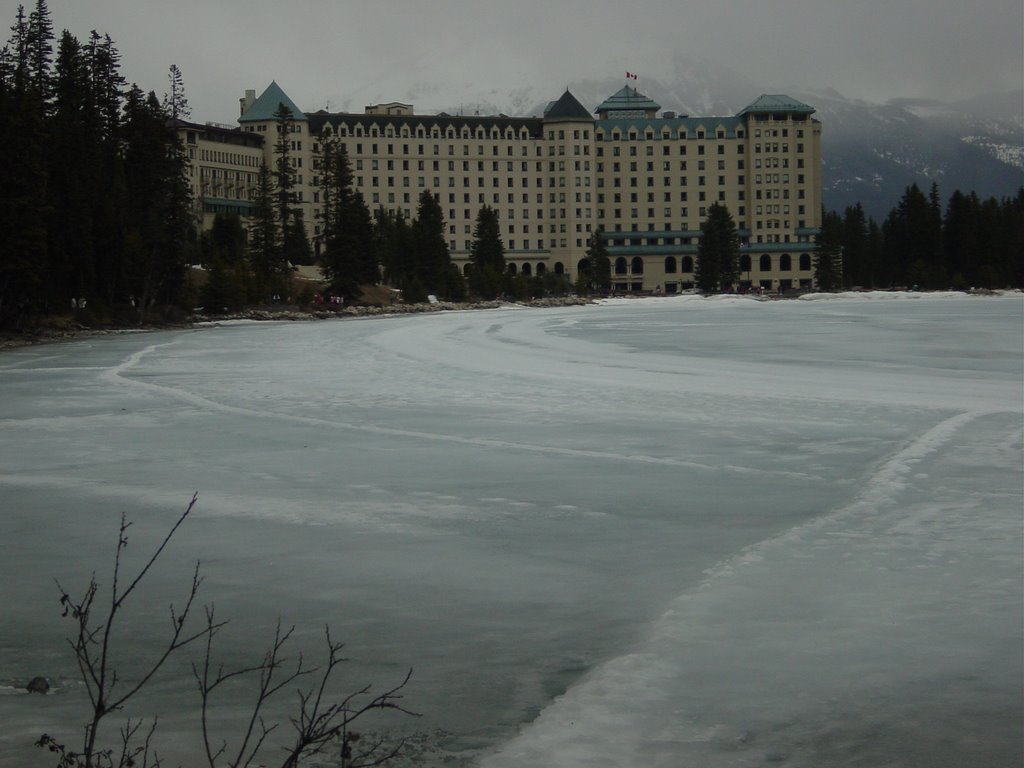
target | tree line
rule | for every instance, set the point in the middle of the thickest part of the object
(973, 243)
(97, 218)
(94, 208)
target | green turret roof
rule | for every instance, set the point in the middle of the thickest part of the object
(776, 103)
(628, 99)
(267, 104)
(567, 107)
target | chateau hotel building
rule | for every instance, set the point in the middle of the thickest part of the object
(640, 179)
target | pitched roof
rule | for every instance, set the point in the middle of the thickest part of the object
(776, 103)
(567, 107)
(627, 99)
(267, 104)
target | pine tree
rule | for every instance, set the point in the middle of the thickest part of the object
(828, 259)
(39, 50)
(488, 255)
(265, 240)
(348, 256)
(430, 257)
(159, 208)
(912, 241)
(857, 268)
(223, 255)
(595, 271)
(393, 243)
(284, 172)
(295, 244)
(105, 174)
(74, 166)
(718, 253)
(24, 267)
(175, 102)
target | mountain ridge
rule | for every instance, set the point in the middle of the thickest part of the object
(871, 152)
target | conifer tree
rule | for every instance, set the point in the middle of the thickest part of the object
(349, 256)
(39, 50)
(430, 257)
(284, 172)
(175, 102)
(223, 255)
(828, 259)
(488, 254)
(265, 240)
(857, 268)
(73, 168)
(595, 271)
(159, 208)
(23, 196)
(393, 243)
(718, 253)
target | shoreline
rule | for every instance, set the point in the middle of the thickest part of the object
(55, 334)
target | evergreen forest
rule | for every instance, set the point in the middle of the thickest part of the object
(97, 222)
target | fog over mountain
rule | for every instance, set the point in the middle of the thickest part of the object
(871, 152)
(949, 65)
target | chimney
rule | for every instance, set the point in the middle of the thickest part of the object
(246, 102)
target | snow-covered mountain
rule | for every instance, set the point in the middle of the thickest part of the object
(871, 152)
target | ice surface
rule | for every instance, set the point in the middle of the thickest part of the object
(664, 533)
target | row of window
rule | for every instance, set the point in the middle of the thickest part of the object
(523, 133)
(228, 158)
(635, 266)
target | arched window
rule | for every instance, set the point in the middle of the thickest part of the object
(670, 265)
(785, 263)
(745, 262)
(559, 268)
(620, 266)
(541, 269)
(637, 266)
(766, 263)
(805, 262)
(511, 267)
(526, 269)
(686, 264)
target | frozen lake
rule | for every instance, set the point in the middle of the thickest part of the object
(676, 532)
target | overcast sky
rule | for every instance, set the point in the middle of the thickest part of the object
(342, 54)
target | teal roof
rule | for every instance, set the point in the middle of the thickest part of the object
(627, 99)
(268, 103)
(776, 103)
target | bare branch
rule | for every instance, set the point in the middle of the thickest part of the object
(318, 722)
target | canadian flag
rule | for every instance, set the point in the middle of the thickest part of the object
(631, 76)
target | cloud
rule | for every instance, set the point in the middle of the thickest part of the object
(350, 51)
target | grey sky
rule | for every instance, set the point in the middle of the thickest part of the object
(345, 53)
